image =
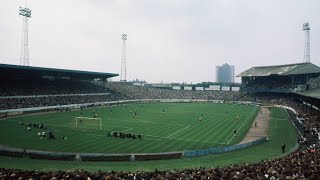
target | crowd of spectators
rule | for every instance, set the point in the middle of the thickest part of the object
(47, 87)
(298, 165)
(267, 84)
(72, 94)
(140, 92)
(270, 86)
(28, 102)
(58, 92)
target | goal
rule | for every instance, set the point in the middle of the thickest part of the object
(89, 123)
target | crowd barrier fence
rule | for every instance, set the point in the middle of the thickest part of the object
(217, 150)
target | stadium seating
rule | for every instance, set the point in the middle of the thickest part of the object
(27, 102)
(138, 92)
(20, 94)
(48, 94)
(48, 87)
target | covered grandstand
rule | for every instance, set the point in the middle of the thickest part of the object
(9, 71)
(29, 87)
(298, 82)
(279, 78)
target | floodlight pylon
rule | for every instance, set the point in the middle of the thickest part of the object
(123, 75)
(306, 29)
(26, 14)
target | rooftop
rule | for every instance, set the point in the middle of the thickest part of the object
(281, 70)
(9, 71)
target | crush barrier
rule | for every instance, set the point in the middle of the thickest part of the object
(217, 150)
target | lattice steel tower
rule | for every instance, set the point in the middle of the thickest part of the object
(123, 75)
(306, 29)
(26, 14)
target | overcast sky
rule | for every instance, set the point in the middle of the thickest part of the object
(168, 40)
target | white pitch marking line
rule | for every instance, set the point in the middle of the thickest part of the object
(177, 132)
(240, 127)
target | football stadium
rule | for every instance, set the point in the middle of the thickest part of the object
(57, 120)
(67, 113)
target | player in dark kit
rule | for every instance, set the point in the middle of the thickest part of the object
(283, 147)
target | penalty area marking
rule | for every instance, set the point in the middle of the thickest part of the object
(241, 126)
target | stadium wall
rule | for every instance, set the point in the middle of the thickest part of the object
(217, 150)
(34, 154)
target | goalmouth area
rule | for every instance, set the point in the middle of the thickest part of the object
(164, 127)
(89, 123)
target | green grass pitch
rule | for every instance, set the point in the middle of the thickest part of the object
(281, 131)
(164, 127)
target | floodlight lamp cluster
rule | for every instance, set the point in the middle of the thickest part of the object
(306, 26)
(124, 36)
(26, 12)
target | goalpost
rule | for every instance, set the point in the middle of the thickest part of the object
(89, 123)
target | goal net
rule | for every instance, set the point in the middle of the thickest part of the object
(89, 123)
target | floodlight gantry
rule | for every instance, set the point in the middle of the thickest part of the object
(26, 14)
(306, 29)
(123, 75)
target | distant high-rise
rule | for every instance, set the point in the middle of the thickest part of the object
(225, 73)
